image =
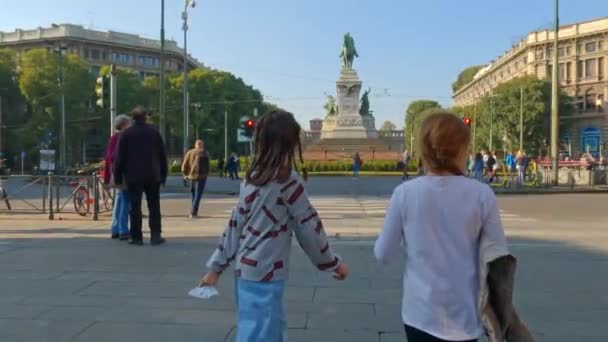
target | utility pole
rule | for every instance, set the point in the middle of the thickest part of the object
(113, 99)
(474, 127)
(185, 69)
(521, 118)
(226, 135)
(62, 135)
(491, 125)
(161, 109)
(555, 101)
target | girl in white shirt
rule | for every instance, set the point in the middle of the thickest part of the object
(439, 219)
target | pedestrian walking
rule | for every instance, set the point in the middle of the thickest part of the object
(273, 206)
(478, 167)
(196, 169)
(141, 166)
(120, 212)
(490, 170)
(519, 166)
(232, 167)
(406, 161)
(446, 252)
(357, 162)
(220, 167)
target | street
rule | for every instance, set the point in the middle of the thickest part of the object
(66, 280)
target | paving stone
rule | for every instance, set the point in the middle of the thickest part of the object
(138, 332)
(17, 330)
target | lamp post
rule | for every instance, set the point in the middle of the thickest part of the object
(161, 109)
(187, 3)
(62, 142)
(555, 101)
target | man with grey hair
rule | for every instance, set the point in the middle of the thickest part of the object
(195, 169)
(141, 166)
(120, 213)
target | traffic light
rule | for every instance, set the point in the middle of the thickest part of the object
(248, 128)
(467, 121)
(103, 92)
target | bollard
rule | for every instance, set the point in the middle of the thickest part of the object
(95, 197)
(44, 194)
(50, 178)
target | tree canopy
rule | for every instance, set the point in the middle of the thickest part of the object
(388, 126)
(465, 77)
(503, 106)
(414, 115)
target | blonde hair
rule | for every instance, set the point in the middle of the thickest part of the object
(443, 139)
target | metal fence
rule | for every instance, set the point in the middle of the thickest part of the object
(52, 194)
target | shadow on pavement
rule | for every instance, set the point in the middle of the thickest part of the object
(95, 289)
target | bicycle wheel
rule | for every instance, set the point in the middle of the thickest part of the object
(81, 201)
(106, 197)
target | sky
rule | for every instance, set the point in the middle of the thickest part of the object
(288, 49)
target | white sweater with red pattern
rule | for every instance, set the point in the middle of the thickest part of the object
(258, 235)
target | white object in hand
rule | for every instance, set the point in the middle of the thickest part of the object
(204, 292)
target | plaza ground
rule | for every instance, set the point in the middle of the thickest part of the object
(65, 280)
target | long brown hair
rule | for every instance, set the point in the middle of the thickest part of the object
(276, 138)
(444, 137)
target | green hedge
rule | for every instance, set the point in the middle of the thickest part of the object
(323, 166)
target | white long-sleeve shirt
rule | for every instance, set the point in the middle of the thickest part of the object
(439, 220)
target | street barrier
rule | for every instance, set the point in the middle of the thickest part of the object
(55, 194)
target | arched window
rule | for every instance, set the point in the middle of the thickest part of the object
(590, 141)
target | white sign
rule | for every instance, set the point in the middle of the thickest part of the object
(241, 137)
(47, 160)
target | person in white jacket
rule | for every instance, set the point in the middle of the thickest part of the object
(440, 219)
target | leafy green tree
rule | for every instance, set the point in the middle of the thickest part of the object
(415, 113)
(388, 126)
(39, 83)
(501, 113)
(12, 102)
(465, 77)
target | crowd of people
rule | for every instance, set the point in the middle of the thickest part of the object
(488, 166)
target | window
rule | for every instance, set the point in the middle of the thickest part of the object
(568, 50)
(550, 53)
(148, 61)
(142, 75)
(539, 54)
(562, 72)
(590, 47)
(579, 49)
(114, 57)
(568, 72)
(104, 55)
(579, 69)
(86, 53)
(590, 68)
(600, 67)
(600, 45)
(95, 54)
(122, 58)
(561, 52)
(525, 60)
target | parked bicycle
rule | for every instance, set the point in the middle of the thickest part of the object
(83, 196)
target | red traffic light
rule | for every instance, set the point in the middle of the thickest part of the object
(467, 120)
(250, 123)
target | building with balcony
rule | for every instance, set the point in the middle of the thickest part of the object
(100, 48)
(583, 63)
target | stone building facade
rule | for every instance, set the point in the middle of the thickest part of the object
(583, 68)
(100, 48)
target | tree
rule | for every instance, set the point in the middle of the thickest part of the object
(39, 84)
(413, 119)
(501, 112)
(388, 126)
(465, 77)
(12, 102)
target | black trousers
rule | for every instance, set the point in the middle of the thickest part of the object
(153, 198)
(415, 335)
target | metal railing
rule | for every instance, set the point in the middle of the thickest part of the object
(53, 194)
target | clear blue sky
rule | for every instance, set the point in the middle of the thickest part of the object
(289, 48)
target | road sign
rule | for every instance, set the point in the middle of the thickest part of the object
(22, 154)
(47, 160)
(241, 137)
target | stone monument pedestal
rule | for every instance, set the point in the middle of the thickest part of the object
(347, 123)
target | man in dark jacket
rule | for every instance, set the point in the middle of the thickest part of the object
(141, 166)
(195, 169)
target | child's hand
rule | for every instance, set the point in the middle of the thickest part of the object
(341, 272)
(209, 279)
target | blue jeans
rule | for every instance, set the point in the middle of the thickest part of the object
(260, 311)
(120, 213)
(197, 187)
(356, 170)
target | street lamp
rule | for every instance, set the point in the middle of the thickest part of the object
(555, 101)
(60, 50)
(187, 3)
(162, 118)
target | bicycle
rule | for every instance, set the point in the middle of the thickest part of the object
(83, 199)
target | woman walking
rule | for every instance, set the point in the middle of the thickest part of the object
(357, 162)
(440, 220)
(120, 213)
